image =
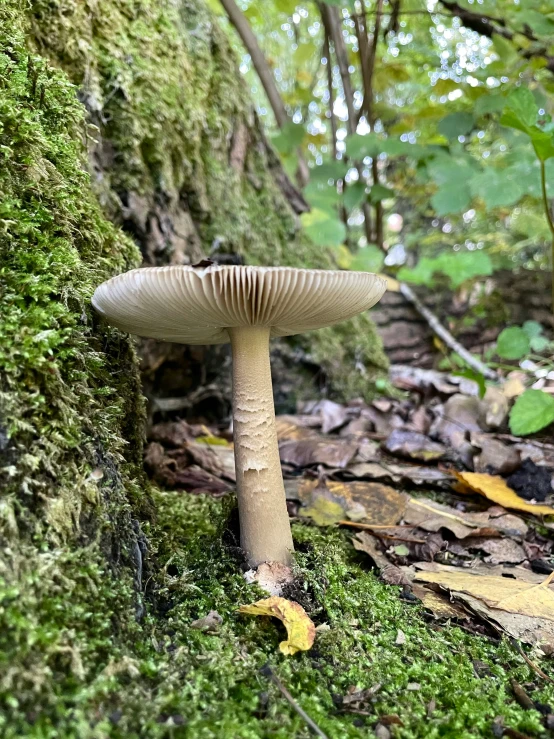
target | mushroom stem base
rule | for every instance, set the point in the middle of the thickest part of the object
(264, 522)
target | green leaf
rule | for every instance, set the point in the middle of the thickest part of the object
(486, 104)
(537, 22)
(358, 147)
(532, 328)
(456, 124)
(379, 193)
(286, 6)
(539, 343)
(512, 343)
(462, 266)
(289, 138)
(505, 50)
(521, 109)
(457, 266)
(354, 194)
(451, 198)
(323, 228)
(335, 170)
(532, 411)
(471, 374)
(322, 196)
(497, 187)
(368, 259)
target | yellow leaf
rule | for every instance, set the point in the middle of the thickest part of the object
(300, 628)
(504, 593)
(392, 284)
(495, 489)
(212, 440)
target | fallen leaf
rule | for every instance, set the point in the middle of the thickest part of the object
(494, 407)
(438, 604)
(394, 472)
(293, 428)
(499, 593)
(332, 415)
(300, 628)
(499, 550)
(480, 568)
(382, 504)
(306, 452)
(460, 415)
(495, 458)
(496, 489)
(413, 445)
(392, 575)
(432, 516)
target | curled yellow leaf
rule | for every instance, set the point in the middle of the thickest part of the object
(495, 489)
(300, 627)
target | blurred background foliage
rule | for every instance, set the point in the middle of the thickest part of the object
(425, 127)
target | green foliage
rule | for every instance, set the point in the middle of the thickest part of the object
(456, 124)
(522, 113)
(323, 228)
(512, 343)
(532, 411)
(456, 266)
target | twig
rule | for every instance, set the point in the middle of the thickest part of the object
(266, 671)
(329, 70)
(381, 534)
(531, 664)
(548, 214)
(444, 334)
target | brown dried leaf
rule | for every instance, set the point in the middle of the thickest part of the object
(500, 593)
(382, 504)
(495, 458)
(415, 446)
(294, 428)
(392, 575)
(307, 452)
(499, 550)
(432, 516)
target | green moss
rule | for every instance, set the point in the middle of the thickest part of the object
(160, 81)
(105, 675)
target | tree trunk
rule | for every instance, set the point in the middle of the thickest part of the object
(125, 137)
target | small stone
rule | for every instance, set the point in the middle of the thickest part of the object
(413, 686)
(400, 637)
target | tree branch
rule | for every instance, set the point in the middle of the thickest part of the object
(487, 26)
(332, 24)
(444, 334)
(265, 75)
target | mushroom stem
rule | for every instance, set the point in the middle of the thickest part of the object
(265, 533)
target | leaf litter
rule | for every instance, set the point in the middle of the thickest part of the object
(471, 548)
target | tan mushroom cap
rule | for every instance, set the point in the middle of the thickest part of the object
(189, 305)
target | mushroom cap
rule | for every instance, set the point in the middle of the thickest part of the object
(190, 305)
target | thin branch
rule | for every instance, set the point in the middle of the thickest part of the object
(266, 671)
(335, 33)
(487, 26)
(548, 213)
(265, 75)
(332, 22)
(444, 334)
(329, 70)
(259, 61)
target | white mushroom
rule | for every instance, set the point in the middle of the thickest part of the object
(246, 306)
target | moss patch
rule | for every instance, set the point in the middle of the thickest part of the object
(106, 675)
(177, 135)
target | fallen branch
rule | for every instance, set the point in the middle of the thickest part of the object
(266, 671)
(444, 334)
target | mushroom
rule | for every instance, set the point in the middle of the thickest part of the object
(246, 306)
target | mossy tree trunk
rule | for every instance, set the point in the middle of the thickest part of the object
(125, 137)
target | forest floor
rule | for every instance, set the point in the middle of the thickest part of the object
(422, 558)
